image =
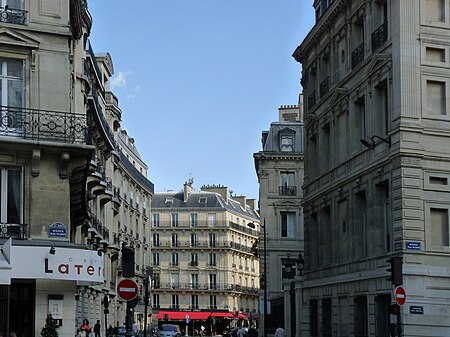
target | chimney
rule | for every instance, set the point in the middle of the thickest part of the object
(220, 189)
(241, 199)
(251, 203)
(187, 189)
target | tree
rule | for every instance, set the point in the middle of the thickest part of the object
(49, 329)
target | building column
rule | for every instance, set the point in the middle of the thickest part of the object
(287, 307)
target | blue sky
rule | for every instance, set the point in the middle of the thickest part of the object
(199, 80)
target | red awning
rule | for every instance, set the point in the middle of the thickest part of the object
(222, 314)
(242, 315)
(181, 315)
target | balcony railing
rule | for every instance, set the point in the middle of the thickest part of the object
(324, 86)
(357, 55)
(12, 15)
(243, 229)
(288, 190)
(44, 125)
(193, 263)
(379, 36)
(15, 231)
(312, 99)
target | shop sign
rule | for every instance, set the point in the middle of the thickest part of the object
(56, 263)
(57, 230)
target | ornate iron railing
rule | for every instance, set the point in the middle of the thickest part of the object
(379, 36)
(15, 231)
(324, 86)
(44, 125)
(12, 15)
(358, 55)
(288, 190)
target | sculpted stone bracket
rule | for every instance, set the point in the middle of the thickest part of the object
(64, 165)
(35, 159)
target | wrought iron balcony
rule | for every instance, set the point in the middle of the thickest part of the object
(324, 86)
(193, 263)
(357, 55)
(44, 125)
(15, 231)
(379, 36)
(288, 190)
(12, 15)
(312, 99)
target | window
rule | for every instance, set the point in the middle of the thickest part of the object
(168, 201)
(287, 143)
(436, 98)
(194, 301)
(288, 225)
(175, 278)
(156, 281)
(11, 195)
(193, 239)
(382, 304)
(313, 319)
(194, 259)
(212, 239)
(175, 242)
(156, 240)
(156, 220)
(212, 302)
(174, 260)
(175, 302)
(14, 13)
(174, 219)
(211, 219)
(155, 301)
(194, 281)
(326, 317)
(212, 259)
(212, 281)
(156, 259)
(287, 183)
(202, 200)
(439, 227)
(434, 10)
(360, 316)
(194, 219)
(11, 92)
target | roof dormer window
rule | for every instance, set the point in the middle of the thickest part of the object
(287, 143)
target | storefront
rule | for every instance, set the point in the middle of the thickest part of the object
(41, 278)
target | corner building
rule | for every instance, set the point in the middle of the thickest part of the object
(377, 70)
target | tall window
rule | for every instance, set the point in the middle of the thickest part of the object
(326, 317)
(155, 301)
(439, 227)
(288, 225)
(156, 259)
(175, 278)
(11, 195)
(360, 316)
(193, 239)
(194, 259)
(155, 220)
(436, 98)
(194, 301)
(194, 281)
(287, 143)
(174, 219)
(194, 219)
(212, 239)
(11, 92)
(287, 183)
(212, 281)
(313, 318)
(156, 242)
(174, 261)
(175, 302)
(212, 259)
(212, 302)
(174, 240)
(382, 304)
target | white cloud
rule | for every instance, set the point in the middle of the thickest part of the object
(119, 80)
(135, 92)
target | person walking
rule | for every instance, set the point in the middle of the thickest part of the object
(97, 327)
(279, 332)
(85, 328)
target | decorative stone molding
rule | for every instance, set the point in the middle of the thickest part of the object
(35, 159)
(64, 165)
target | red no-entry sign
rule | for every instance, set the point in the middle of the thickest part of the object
(400, 295)
(127, 289)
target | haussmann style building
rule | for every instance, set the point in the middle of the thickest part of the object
(376, 79)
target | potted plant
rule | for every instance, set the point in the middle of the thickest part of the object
(49, 329)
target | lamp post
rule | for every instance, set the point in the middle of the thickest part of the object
(252, 225)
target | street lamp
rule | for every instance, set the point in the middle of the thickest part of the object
(253, 226)
(369, 142)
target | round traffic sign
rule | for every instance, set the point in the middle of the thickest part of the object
(400, 295)
(127, 289)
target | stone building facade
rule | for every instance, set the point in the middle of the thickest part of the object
(375, 78)
(279, 167)
(202, 255)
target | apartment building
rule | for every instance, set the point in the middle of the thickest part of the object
(375, 77)
(202, 258)
(279, 167)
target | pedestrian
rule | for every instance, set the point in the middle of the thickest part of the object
(279, 332)
(241, 332)
(85, 328)
(97, 327)
(135, 328)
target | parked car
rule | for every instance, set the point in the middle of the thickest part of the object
(169, 330)
(119, 331)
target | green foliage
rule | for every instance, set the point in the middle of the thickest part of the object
(49, 329)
